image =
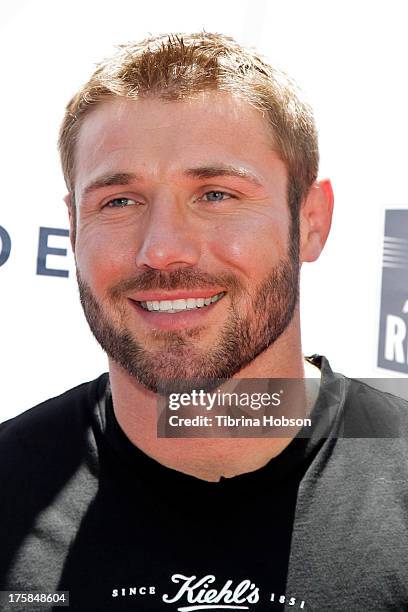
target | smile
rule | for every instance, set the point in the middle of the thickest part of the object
(174, 306)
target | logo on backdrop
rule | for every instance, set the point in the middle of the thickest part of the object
(43, 251)
(393, 339)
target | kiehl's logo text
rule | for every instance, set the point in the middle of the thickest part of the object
(197, 593)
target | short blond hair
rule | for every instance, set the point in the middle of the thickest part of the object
(177, 66)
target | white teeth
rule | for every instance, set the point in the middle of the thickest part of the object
(179, 304)
(165, 305)
(173, 306)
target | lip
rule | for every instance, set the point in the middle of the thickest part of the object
(180, 320)
(181, 294)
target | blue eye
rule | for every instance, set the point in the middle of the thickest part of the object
(216, 196)
(120, 203)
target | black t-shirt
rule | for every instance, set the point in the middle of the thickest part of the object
(322, 526)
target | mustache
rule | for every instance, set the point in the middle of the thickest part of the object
(182, 278)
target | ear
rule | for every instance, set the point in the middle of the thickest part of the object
(69, 201)
(315, 220)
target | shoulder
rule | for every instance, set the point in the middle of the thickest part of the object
(362, 408)
(48, 464)
(373, 412)
(53, 424)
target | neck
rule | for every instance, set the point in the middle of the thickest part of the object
(136, 411)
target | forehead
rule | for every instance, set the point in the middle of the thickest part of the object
(162, 137)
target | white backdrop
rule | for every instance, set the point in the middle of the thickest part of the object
(351, 60)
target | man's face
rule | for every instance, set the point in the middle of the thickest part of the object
(185, 264)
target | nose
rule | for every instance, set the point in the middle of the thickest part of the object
(168, 239)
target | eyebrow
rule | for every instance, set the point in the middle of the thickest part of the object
(200, 172)
(206, 172)
(117, 178)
